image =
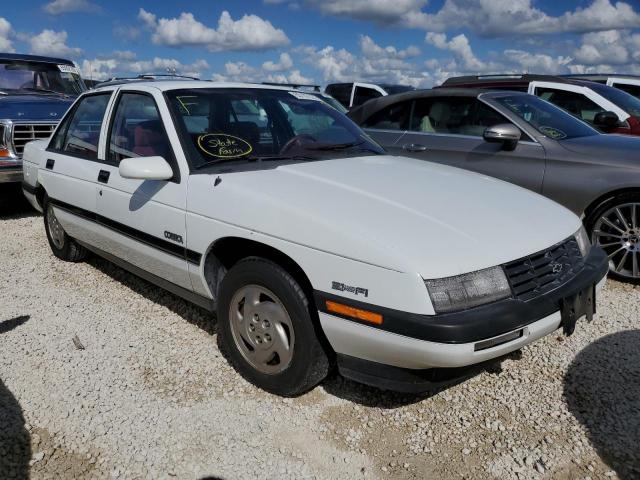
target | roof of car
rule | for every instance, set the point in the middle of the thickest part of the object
(599, 77)
(509, 79)
(165, 85)
(34, 58)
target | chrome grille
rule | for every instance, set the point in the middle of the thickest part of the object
(26, 132)
(545, 271)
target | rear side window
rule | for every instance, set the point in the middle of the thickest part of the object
(572, 102)
(362, 94)
(392, 117)
(137, 129)
(80, 134)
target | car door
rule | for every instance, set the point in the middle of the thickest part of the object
(364, 92)
(144, 220)
(71, 170)
(449, 130)
(578, 100)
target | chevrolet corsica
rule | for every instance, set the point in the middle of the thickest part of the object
(313, 246)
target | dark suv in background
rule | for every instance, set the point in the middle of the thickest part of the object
(607, 108)
(35, 92)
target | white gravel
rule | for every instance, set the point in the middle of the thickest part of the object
(150, 396)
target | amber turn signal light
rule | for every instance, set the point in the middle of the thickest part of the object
(353, 312)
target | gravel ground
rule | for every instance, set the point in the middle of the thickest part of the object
(150, 396)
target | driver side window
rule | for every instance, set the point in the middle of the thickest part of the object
(137, 129)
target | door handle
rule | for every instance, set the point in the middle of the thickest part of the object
(103, 176)
(50, 163)
(414, 147)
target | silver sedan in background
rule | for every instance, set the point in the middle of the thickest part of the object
(524, 140)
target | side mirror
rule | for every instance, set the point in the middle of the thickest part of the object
(505, 133)
(145, 168)
(606, 120)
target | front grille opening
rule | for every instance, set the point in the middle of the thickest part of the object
(545, 271)
(23, 133)
(494, 342)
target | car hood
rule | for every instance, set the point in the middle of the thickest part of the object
(25, 107)
(606, 148)
(394, 212)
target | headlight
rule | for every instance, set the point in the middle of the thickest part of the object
(583, 241)
(5, 153)
(469, 290)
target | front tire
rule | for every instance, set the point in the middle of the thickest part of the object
(62, 245)
(266, 331)
(615, 226)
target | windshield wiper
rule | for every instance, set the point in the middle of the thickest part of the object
(261, 158)
(44, 90)
(334, 146)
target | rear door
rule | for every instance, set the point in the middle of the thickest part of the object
(72, 165)
(143, 220)
(449, 130)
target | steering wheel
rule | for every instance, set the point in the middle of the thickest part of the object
(297, 141)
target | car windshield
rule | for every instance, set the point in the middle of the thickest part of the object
(218, 125)
(545, 117)
(40, 77)
(624, 100)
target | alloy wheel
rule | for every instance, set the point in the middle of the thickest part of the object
(55, 229)
(617, 231)
(262, 329)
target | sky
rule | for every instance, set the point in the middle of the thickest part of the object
(416, 42)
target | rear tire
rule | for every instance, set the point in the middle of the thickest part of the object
(615, 226)
(265, 328)
(62, 245)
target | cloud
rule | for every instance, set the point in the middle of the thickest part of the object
(461, 49)
(379, 11)
(6, 45)
(126, 63)
(58, 7)
(284, 64)
(52, 43)
(278, 72)
(249, 33)
(373, 63)
(537, 62)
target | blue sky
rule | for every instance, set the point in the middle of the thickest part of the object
(402, 41)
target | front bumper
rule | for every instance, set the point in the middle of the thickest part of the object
(458, 339)
(11, 173)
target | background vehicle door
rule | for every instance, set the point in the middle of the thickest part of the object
(144, 219)
(629, 85)
(449, 130)
(581, 101)
(72, 165)
(363, 92)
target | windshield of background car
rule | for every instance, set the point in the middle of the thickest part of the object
(625, 101)
(40, 77)
(332, 101)
(251, 124)
(546, 118)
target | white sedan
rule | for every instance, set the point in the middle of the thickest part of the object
(314, 247)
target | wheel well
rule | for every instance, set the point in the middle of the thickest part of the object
(226, 252)
(40, 193)
(602, 198)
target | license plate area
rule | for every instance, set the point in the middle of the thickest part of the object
(576, 306)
